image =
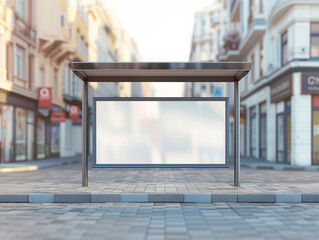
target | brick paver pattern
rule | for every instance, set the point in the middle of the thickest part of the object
(67, 179)
(159, 221)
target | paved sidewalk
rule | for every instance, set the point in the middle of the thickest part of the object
(63, 184)
(134, 221)
(37, 164)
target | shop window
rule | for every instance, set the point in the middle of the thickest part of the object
(280, 138)
(284, 48)
(6, 143)
(40, 138)
(314, 39)
(263, 130)
(55, 139)
(315, 129)
(21, 134)
(243, 136)
(253, 132)
(284, 132)
(30, 135)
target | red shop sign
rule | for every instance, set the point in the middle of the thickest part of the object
(57, 116)
(74, 112)
(44, 97)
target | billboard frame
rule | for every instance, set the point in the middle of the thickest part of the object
(162, 99)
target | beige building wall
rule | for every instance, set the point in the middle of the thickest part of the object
(2, 41)
(17, 35)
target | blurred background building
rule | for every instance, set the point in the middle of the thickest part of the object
(38, 40)
(207, 38)
(280, 96)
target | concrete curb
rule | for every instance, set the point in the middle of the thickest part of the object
(262, 166)
(158, 198)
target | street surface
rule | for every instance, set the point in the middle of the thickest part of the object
(159, 221)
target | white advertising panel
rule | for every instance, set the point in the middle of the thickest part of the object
(160, 132)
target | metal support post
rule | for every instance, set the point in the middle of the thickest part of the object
(236, 134)
(85, 134)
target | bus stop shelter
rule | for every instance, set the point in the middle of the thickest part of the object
(160, 72)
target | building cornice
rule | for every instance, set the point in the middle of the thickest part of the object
(283, 5)
(293, 66)
(11, 87)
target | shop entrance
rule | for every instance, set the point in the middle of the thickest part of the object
(253, 132)
(284, 134)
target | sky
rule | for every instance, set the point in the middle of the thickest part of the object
(162, 29)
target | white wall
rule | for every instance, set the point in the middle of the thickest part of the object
(300, 125)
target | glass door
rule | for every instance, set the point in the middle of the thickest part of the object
(253, 132)
(242, 137)
(20, 134)
(284, 138)
(30, 134)
(40, 138)
(263, 131)
(55, 139)
(280, 138)
(288, 139)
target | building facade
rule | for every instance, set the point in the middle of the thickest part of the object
(39, 40)
(18, 96)
(279, 97)
(208, 32)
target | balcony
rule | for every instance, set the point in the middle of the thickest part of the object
(235, 10)
(231, 45)
(55, 48)
(257, 29)
(24, 29)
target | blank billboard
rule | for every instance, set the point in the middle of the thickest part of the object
(160, 132)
